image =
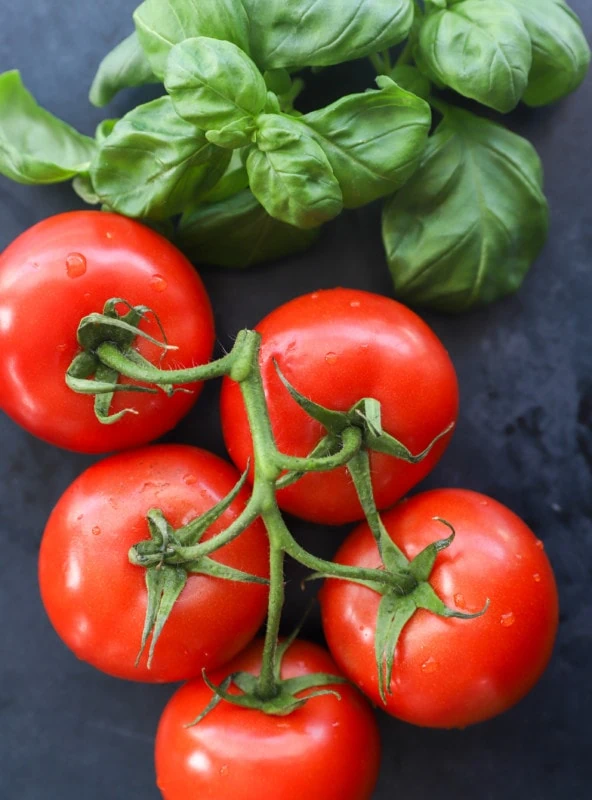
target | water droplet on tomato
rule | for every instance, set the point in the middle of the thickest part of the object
(224, 769)
(190, 479)
(430, 666)
(540, 544)
(355, 304)
(35, 265)
(314, 296)
(536, 577)
(62, 347)
(459, 600)
(335, 725)
(75, 265)
(484, 503)
(364, 346)
(108, 235)
(96, 531)
(158, 283)
(508, 619)
(331, 358)
(518, 556)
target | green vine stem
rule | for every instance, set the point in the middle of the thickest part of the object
(169, 556)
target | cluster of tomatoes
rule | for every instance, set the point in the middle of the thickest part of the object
(336, 347)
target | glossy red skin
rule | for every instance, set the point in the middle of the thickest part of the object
(450, 673)
(96, 599)
(41, 307)
(383, 350)
(327, 750)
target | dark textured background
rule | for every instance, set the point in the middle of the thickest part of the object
(525, 437)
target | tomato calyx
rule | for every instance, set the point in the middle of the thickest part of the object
(365, 415)
(87, 374)
(170, 556)
(243, 689)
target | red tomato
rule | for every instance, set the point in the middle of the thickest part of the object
(328, 749)
(337, 347)
(451, 672)
(96, 599)
(65, 268)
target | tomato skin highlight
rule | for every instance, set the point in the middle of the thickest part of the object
(450, 673)
(336, 347)
(66, 267)
(96, 600)
(327, 750)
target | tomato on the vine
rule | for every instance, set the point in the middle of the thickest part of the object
(337, 347)
(96, 599)
(328, 749)
(451, 672)
(65, 268)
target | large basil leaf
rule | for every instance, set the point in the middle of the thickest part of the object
(470, 222)
(125, 66)
(214, 85)
(373, 140)
(161, 24)
(153, 164)
(480, 48)
(307, 33)
(35, 146)
(276, 33)
(290, 174)
(560, 52)
(238, 232)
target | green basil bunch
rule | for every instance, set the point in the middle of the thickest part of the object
(227, 166)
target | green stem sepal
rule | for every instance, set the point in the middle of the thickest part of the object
(168, 565)
(396, 610)
(243, 688)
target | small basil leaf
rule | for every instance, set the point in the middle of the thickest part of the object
(125, 66)
(104, 129)
(412, 80)
(480, 48)
(471, 221)
(238, 232)
(214, 84)
(161, 25)
(560, 52)
(373, 140)
(309, 33)
(290, 174)
(83, 187)
(234, 180)
(154, 163)
(35, 146)
(278, 81)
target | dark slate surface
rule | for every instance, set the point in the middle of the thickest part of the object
(525, 437)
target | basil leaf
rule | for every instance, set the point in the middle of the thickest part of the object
(83, 187)
(560, 52)
(412, 80)
(290, 174)
(276, 33)
(214, 84)
(480, 48)
(125, 66)
(234, 180)
(238, 232)
(317, 33)
(373, 140)
(154, 164)
(161, 24)
(35, 146)
(468, 225)
(104, 129)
